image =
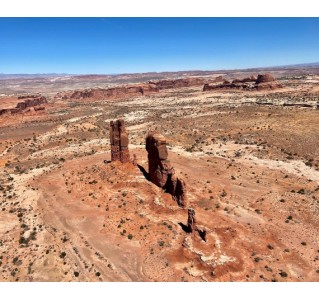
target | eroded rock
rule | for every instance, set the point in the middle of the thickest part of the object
(191, 221)
(262, 78)
(178, 83)
(29, 101)
(119, 141)
(161, 172)
(251, 83)
(120, 92)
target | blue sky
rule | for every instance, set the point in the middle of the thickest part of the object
(124, 45)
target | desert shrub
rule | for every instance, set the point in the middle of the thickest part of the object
(283, 274)
(223, 194)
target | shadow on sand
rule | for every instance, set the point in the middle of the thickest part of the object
(146, 175)
(184, 227)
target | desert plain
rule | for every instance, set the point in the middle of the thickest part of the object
(249, 159)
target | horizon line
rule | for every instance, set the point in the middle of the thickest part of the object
(158, 72)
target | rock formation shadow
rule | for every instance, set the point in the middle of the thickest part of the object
(146, 174)
(202, 234)
(184, 227)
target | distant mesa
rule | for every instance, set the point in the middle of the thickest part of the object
(251, 83)
(137, 90)
(121, 92)
(178, 83)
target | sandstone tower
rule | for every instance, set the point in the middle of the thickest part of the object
(119, 141)
(191, 221)
(160, 170)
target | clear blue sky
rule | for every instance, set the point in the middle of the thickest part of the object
(123, 45)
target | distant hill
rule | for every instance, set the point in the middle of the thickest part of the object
(158, 75)
(27, 76)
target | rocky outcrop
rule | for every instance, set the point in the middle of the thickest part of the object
(137, 90)
(217, 79)
(267, 82)
(161, 172)
(265, 78)
(246, 79)
(81, 94)
(29, 96)
(226, 85)
(120, 92)
(119, 141)
(191, 221)
(192, 225)
(251, 83)
(30, 101)
(178, 83)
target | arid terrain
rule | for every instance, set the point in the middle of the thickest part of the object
(249, 157)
